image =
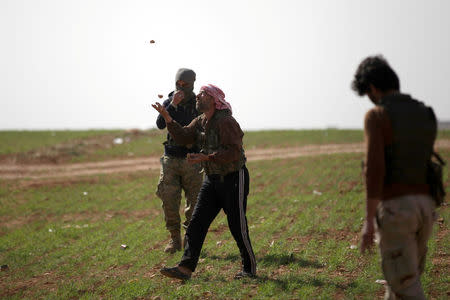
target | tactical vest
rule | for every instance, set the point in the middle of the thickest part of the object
(414, 131)
(209, 141)
(173, 148)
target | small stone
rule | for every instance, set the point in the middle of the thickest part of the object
(4, 268)
(123, 246)
(353, 247)
(85, 193)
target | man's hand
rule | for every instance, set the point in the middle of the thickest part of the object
(177, 97)
(162, 110)
(367, 236)
(195, 158)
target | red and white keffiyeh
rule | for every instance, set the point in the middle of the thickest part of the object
(218, 95)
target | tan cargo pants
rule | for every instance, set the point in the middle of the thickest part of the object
(177, 175)
(404, 226)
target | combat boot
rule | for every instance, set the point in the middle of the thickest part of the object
(174, 243)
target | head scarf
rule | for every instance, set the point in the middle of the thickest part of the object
(218, 95)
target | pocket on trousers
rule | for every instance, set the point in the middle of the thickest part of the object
(159, 187)
(399, 268)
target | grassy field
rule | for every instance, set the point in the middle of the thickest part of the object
(63, 241)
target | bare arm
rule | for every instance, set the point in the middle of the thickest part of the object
(374, 175)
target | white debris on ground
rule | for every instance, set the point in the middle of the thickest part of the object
(118, 141)
(380, 281)
(317, 193)
(353, 247)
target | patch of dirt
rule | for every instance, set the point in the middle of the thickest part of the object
(48, 281)
(38, 173)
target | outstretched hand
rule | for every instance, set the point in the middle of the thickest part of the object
(195, 158)
(163, 111)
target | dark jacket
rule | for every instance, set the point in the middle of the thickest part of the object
(184, 113)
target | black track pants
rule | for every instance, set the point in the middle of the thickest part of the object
(229, 193)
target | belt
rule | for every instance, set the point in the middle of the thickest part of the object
(177, 151)
(217, 177)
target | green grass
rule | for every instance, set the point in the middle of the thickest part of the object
(443, 134)
(63, 240)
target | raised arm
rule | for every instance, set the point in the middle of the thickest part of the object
(160, 122)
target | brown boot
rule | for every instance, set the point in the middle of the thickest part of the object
(174, 244)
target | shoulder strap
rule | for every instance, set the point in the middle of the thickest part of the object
(439, 158)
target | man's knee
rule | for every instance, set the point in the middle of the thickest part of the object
(168, 191)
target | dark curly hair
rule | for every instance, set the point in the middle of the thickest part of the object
(374, 70)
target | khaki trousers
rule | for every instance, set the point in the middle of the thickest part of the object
(177, 175)
(404, 226)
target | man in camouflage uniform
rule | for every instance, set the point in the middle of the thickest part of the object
(176, 174)
(226, 183)
(400, 133)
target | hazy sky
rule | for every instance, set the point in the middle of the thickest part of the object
(282, 64)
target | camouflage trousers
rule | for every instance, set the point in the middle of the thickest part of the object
(177, 175)
(404, 226)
